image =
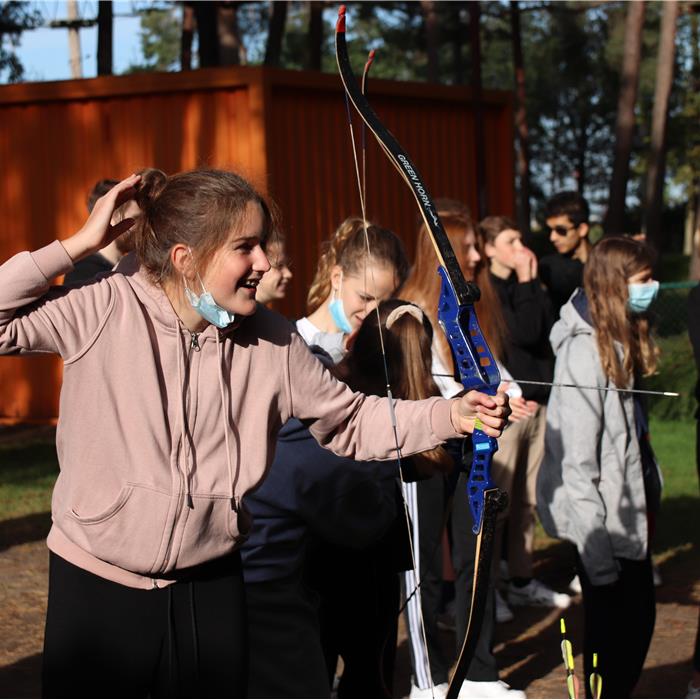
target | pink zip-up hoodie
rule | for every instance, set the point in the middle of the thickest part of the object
(161, 431)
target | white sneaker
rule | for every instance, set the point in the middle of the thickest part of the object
(439, 691)
(575, 585)
(693, 692)
(503, 612)
(536, 593)
(489, 689)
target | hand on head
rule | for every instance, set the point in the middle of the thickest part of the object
(491, 411)
(98, 232)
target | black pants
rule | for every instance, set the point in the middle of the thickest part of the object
(286, 657)
(359, 618)
(619, 622)
(107, 640)
(483, 666)
(432, 502)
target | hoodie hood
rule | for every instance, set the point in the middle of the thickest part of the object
(574, 319)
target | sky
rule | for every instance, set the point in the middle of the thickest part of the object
(44, 51)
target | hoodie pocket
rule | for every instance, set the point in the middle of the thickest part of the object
(211, 530)
(128, 533)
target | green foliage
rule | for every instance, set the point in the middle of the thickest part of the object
(15, 17)
(160, 34)
(673, 267)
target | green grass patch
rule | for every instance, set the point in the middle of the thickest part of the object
(676, 372)
(28, 471)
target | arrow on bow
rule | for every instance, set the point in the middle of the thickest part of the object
(474, 364)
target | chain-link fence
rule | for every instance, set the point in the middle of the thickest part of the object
(670, 308)
(676, 369)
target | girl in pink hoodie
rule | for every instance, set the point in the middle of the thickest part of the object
(175, 386)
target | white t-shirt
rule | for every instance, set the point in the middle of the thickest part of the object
(332, 343)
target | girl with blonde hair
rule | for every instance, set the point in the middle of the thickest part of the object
(359, 266)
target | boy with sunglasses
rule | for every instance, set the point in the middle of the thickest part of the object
(566, 215)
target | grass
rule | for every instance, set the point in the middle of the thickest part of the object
(28, 470)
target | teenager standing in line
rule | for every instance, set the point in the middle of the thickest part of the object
(528, 356)
(429, 500)
(598, 485)
(175, 385)
(313, 497)
(566, 215)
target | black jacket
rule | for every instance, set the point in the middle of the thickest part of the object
(561, 275)
(527, 313)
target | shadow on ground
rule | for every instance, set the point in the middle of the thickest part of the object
(22, 679)
(28, 528)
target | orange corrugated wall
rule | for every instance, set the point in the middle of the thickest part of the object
(285, 130)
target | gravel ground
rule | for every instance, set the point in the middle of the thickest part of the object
(527, 648)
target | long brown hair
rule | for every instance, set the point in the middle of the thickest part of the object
(423, 284)
(408, 360)
(348, 249)
(198, 208)
(611, 263)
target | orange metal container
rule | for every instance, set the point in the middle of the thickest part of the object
(286, 131)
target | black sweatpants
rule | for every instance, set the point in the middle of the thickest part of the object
(619, 622)
(483, 666)
(286, 656)
(184, 640)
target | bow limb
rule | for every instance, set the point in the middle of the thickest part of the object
(474, 363)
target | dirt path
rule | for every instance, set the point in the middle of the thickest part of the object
(527, 648)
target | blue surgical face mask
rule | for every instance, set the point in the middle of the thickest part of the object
(641, 296)
(338, 312)
(206, 307)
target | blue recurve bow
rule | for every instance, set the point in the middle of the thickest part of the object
(474, 364)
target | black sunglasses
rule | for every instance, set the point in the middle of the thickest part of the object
(561, 230)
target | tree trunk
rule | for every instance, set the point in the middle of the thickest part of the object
(694, 271)
(653, 196)
(104, 37)
(582, 149)
(430, 21)
(275, 34)
(624, 130)
(76, 61)
(457, 42)
(475, 40)
(231, 49)
(315, 34)
(188, 27)
(206, 16)
(523, 147)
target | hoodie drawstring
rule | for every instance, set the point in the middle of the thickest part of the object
(234, 504)
(183, 431)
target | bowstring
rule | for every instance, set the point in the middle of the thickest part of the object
(361, 185)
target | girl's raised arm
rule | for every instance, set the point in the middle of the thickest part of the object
(36, 318)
